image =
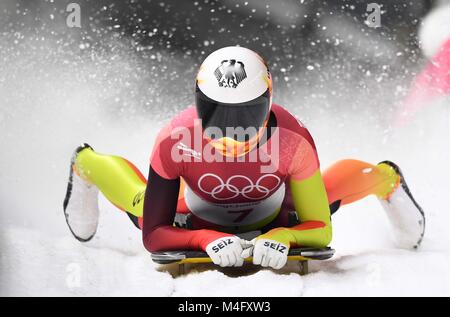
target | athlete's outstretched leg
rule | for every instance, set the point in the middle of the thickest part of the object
(347, 181)
(117, 178)
(119, 181)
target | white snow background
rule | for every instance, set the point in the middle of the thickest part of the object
(51, 101)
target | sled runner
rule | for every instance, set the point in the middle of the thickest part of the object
(302, 255)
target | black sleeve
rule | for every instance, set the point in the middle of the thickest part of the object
(160, 203)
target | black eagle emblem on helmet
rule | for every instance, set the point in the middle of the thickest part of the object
(230, 73)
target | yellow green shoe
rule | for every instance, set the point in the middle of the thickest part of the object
(81, 203)
(404, 213)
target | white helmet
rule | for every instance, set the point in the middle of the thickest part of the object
(233, 89)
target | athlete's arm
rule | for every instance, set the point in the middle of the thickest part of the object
(160, 205)
(310, 201)
(311, 205)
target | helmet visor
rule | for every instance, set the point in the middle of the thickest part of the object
(240, 122)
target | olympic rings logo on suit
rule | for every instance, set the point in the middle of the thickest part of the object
(234, 190)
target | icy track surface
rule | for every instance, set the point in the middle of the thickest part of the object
(40, 257)
(115, 264)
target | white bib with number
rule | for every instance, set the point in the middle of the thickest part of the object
(236, 214)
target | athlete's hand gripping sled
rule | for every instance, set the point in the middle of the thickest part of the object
(81, 207)
(302, 255)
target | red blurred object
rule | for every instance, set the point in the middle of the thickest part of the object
(431, 83)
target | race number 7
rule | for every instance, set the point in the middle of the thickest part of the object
(243, 214)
